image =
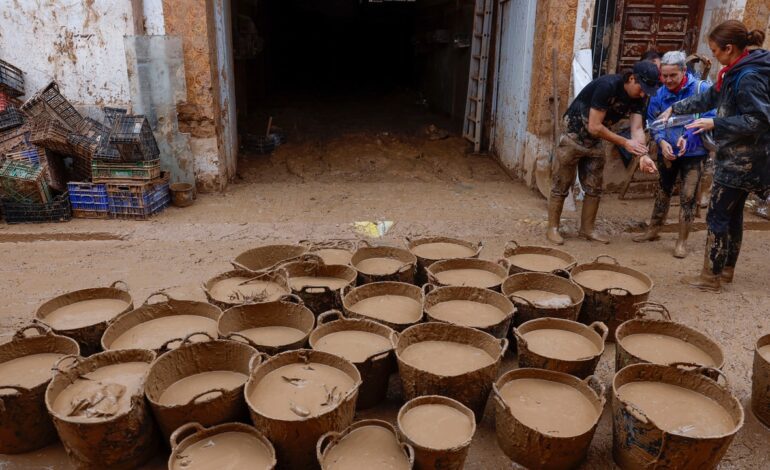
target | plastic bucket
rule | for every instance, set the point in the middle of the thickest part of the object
(320, 298)
(498, 329)
(443, 273)
(184, 438)
(405, 265)
(561, 260)
(367, 291)
(526, 310)
(269, 257)
(326, 445)
(255, 288)
(473, 251)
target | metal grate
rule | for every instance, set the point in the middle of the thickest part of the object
(604, 21)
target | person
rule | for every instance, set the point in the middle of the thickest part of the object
(680, 152)
(741, 130)
(602, 103)
(652, 56)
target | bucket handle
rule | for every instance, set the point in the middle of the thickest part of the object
(503, 346)
(194, 400)
(362, 243)
(19, 390)
(499, 398)
(409, 450)
(256, 360)
(159, 293)
(75, 361)
(504, 263)
(183, 431)
(377, 356)
(427, 288)
(165, 346)
(408, 241)
(315, 290)
(121, 285)
(519, 338)
(596, 385)
(329, 316)
(186, 339)
(600, 328)
(643, 308)
(291, 298)
(511, 245)
(404, 268)
(562, 273)
(511, 297)
(614, 261)
(622, 290)
(42, 330)
(344, 291)
(323, 443)
(235, 336)
(701, 369)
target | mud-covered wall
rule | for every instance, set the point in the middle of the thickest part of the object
(757, 16)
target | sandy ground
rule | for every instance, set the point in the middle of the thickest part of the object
(315, 187)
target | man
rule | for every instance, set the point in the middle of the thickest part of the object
(601, 104)
(652, 56)
(680, 152)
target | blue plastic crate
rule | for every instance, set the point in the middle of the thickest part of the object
(137, 201)
(88, 196)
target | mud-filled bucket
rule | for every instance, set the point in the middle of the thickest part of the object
(239, 286)
(332, 251)
(536, 259)
(25, 370)
(428, 250)
(539, 295)
(669, 417)
(662, 341)
(760, 381)
(268, 257)
(384, 263)
(394, 304)
(230, 445)
(560, 345)
(296, 397)
(200, 382)
(369, 443)
(83, 315)
(182, 194)
(473, 307)
(99, 410)
(546, 419)
(611, 291)
(453, 361)
(161, 326)
(270, 327)
(318, 284)
(365, 343)
(439, 430)
(468, 272)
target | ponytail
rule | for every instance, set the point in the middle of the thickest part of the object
(756, 38)
(734, 32)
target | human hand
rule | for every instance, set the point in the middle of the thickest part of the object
(701, 125)
(634, 147)
(667, 150)
(665, 115)
(682, 145)
(647, 165)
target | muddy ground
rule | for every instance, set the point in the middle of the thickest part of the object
(379, 168)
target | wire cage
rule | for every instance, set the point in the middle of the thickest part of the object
(57, 210)
(50, 103)
(10, 118)
(11, 79)
(134, 139)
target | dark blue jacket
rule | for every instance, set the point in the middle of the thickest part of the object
(663, 100)
(742, 125)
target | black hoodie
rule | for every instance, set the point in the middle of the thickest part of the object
(742, 125)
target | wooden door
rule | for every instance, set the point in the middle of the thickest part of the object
(663, 25)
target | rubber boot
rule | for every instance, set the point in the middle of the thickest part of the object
(588, 220)
(680, 249)
(706, 280)
(728, 273)
(555, 206)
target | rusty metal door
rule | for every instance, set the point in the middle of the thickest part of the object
(663, 25)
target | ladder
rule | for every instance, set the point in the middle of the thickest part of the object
(479, 66)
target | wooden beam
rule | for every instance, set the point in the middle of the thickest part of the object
(137, 9)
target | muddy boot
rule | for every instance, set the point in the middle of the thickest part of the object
(680, 250)
(706, 280)
(555, 206)
(728, 273)
(588, 220)
(657, 219)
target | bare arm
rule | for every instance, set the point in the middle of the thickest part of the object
(597, 129)
(637, 129)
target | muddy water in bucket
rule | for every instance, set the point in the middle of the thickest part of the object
(394, 304)
(334, 283)
(371, 444)
(188, 388)
(560, 344)
(241, 287)
(538, 262)
(446, 357)
(28, 371)
(355, 346)
(231, 446)
(467, 313)
(85, 312)
(379, 266)
(760, 381)
(599, 280)
(153, 333)
(533, 258)
(544, 298)
(663, 349)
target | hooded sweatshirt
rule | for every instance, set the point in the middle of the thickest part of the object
(742, 125)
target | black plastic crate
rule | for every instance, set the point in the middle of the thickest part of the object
(58, 210)
(111, 114)
(11, 79)
(50, 103)
(133, 137)
(10, 118)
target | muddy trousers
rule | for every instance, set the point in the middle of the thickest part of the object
(725, 227)
(573, 160)
(690, 170)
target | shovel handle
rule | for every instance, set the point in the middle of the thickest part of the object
(183, 431)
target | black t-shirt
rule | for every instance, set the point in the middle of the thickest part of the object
(606, 93)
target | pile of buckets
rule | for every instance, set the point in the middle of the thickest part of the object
(296, 338)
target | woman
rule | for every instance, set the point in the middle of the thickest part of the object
(742, 134)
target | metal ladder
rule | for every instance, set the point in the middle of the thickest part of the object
(477, 78)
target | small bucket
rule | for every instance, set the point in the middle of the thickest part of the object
(255, 288)
(491, 275)
(665, 327)
(124, 441)
(403, 273)
(267, 258)
(295, 440)
(612, 305)
(288, 312)
(526, 310)
(471, 388)
(332, 251)
(123, 324)
(760, 383)
(531, 448)
(376, 369)
(428, 457)
(639, 443)
(212, 406)
(193, 433)
(473, 250)
(88, 337)
(182, 194)
(327, 443)
(581, 367)
(24, 421)
(320, 298)
(356, 295)
(498, 329)
(556, 260)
